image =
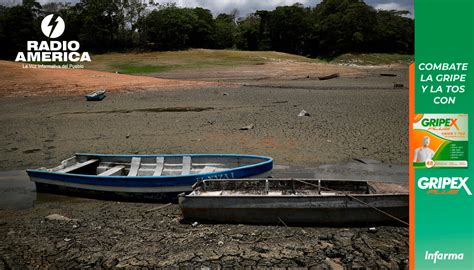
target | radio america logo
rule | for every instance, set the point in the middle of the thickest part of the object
(52, 26)
(444, 185)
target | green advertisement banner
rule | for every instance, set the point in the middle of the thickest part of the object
(443, 227)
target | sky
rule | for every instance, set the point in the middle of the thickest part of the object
(248, 6)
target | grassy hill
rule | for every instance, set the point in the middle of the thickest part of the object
(156, 62)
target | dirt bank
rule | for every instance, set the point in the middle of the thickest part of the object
(20, 81)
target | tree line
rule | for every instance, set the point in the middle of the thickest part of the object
(331, 28)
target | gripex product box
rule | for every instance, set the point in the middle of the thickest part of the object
(440, 141)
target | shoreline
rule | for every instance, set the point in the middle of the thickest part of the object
(357, 127)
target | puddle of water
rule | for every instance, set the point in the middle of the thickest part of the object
(18, 192)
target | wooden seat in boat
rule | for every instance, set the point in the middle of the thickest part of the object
(186, 165)
(134, 166)
(78, 165)
(160, 163)
(113, 171)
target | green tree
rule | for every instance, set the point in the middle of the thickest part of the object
(224, 31)
(344, 26)
(203, 27)
(248, 33)
(102, 20)
(289, 27)
(168, 28)
(394, 32)
(74, 21)
(54, 7)
(18, 24)
(331, 28)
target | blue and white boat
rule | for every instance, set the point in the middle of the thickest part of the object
(96, 95)
(144, 177)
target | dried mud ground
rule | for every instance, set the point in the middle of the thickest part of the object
(349, 117)
(352, 117)
(136, 235)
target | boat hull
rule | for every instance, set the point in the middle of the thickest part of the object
(107, 194)
(322, 210)
(139, 187)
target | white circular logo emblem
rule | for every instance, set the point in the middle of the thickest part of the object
(52, 26)
(430, 163)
